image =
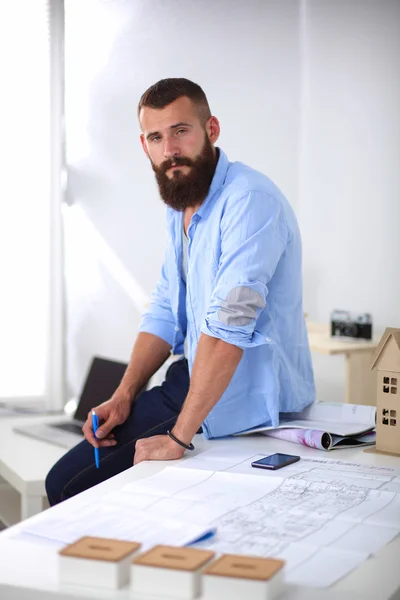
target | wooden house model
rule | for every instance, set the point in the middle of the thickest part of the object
(387, 361)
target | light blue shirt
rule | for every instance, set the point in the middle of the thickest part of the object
(244, 286)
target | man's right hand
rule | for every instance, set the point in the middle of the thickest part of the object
(111, 413)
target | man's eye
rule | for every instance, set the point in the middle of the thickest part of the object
(181, 131)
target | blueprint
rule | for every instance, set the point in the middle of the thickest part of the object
(323, 517)
(121, 515)
(308, 469)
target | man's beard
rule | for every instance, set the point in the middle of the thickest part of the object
(184, 191)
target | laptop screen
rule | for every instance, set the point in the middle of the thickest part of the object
(101, 382)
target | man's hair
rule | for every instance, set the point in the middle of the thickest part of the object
(165, 91)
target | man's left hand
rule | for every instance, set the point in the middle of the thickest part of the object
(158, 447)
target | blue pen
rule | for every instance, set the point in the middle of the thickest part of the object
(206, 536)
(95, 425)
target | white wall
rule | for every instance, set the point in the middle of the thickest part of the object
(349, 194)
(114, 51)
(305, 91)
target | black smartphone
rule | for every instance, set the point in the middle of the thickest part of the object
(275, 461)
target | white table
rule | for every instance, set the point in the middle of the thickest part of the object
(24, 464)
(377, 579)
(360, 380)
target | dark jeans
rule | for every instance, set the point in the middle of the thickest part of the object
(154, 412)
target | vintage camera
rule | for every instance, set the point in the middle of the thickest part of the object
(345, 324)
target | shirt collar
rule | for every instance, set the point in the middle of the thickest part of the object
(216, 184)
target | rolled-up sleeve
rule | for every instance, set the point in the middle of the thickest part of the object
(254, 236)
(158, 318)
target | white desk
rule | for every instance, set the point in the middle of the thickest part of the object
(24, 464)
(376, 579)
(360, 380)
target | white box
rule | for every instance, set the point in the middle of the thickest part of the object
(169, 571)
(237, 577)
(98, 562)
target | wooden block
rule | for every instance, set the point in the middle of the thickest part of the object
(247, 567)
(234, 576)
(96, 548)
(170, 571)
(172, 557)
(98, 562)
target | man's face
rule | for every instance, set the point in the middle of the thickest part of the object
(181, 151)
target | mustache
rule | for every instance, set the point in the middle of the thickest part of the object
(178, 161)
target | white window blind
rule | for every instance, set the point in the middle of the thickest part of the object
(25, 199)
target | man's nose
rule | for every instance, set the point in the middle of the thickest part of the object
(171, 148)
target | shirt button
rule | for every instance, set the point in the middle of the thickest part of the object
(176, 328)
(267, 339)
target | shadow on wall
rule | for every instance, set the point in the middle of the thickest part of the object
(104, 301)
(87, 240)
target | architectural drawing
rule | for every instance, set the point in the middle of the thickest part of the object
(323, 517)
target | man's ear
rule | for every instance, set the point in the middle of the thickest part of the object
(143, 141)
(213, 129)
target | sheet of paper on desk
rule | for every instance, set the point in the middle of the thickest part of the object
(314, 510)
(317, 468)
(116, 521)
(270, 515)
(321, 508)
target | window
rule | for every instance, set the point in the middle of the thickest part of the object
(26, 223)
(392, 388)
(385, 417)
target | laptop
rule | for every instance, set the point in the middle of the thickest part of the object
(101, 382)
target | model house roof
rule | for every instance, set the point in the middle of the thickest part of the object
(390, 332)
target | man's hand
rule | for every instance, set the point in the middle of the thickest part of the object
(158, 447)
(111, 413)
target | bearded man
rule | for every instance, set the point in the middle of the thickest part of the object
(229, 299)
